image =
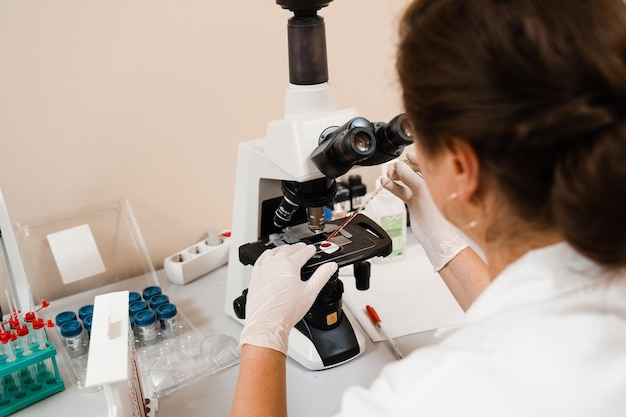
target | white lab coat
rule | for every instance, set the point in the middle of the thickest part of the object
(546, 338)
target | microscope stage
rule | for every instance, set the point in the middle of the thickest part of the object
(359, 240)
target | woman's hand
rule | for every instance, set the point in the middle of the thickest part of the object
(278, 298)
(437, 236)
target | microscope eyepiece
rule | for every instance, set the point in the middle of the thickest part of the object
(360, 142)
(342, 147)
(405, 127)
(393, 136)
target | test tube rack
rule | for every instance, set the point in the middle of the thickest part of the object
(19, 394)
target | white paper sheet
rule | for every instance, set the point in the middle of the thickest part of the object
(407, 294)
(76, 253)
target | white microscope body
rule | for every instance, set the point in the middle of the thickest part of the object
(284, 182)
(261, 166)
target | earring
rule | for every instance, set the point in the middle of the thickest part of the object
(450, 198)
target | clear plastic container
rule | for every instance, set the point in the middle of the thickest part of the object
(110, 230)
(390, 213)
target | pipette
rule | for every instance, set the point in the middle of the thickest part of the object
(353, 215)
(362, 206)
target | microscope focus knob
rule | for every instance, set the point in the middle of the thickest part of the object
(362, 272)
(239, 305)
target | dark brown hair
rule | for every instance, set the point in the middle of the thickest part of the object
(538, 88)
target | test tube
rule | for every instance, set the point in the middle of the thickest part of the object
(24, 340)
(167, 314)
(16, 381)
(14, 322)
(146, 326)
(7, 339)
(39, 333)
(4, 340)
(29, 374)
(29, 317)
(43, 370)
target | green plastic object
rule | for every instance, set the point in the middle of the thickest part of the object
(16, 395)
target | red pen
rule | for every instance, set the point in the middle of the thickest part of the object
(379, 323)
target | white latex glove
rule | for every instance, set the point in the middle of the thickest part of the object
(438, 237)
(278, 298)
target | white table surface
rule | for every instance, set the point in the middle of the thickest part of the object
(310, 393)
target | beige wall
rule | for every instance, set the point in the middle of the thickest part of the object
(148, 100)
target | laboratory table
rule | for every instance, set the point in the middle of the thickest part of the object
(310, 393)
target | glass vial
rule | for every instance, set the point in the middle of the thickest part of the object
(146, 327)
(72, 333)
(167, 315)
(150, 292)
(157, 300)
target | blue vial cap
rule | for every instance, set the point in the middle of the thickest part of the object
(137, 306)
(71, 328)
(85, 311)
(328, 213)
(158, 299)
(64, 317)
(87, 320)
(150, 292)
(166, 311)
(145, 318)
(133, 296)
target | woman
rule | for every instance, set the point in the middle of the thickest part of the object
(519, 115)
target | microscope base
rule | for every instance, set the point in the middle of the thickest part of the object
(322, 349)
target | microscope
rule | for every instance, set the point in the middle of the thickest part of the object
(285, 180)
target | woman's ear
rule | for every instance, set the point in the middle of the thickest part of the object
(465, 167)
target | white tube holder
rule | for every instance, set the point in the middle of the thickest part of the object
(199, 259)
